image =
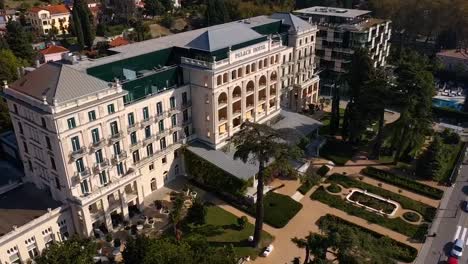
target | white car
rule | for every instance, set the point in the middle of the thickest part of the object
(268, 250)
(457, 248)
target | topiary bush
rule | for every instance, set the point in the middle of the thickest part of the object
(334, 188)
(411, 216)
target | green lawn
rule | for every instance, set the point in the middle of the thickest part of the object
(221, 229)
(337, 151)
(279, 209)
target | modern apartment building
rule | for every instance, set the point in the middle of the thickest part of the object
(101, 135)
(343, 30)
(43, 18)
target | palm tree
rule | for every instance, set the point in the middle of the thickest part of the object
(262, 144)
(176, 216)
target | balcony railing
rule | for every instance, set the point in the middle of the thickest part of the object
(149, 139)
(116, 137)
(98, 144)
(135, 145)
(146, 122)
(98, 167)
(236, 111)
(186, 104)
(132, 127)
(222, 103)
(84, 173)
(78, 153)
(173, 110)
(236, 96)
(250, 105)
(119, 157)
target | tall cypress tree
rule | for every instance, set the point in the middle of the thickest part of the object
(77, 27)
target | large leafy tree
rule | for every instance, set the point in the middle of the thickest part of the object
(261, 144)
(360, 72)
(19, 41)
(9, 65)
(153, 8)
(432, 163)
(72, 251)
(144, 250)
(216, 12)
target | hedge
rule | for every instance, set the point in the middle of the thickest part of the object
(395, 249)
(396, 224)
(403, 182)
(322, 171)
(212, 176)
(428, 212)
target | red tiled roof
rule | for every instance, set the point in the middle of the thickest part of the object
(459, 54)
(118, 41)
(53, 49)
(53, 9)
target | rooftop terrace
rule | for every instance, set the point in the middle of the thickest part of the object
(22, 205)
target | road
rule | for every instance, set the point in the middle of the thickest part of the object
(453, 224)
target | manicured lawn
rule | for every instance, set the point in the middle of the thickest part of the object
(279, 209)
(221, 229)
(337, 151)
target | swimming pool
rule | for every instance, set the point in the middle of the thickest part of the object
(454, 104)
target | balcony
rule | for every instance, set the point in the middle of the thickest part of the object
(116, 137)
(262, 99)
(119, 157)
(82, 174)
(222, 103)
(173, 110)
(159, 116)
(135, 145)
(250, 105)
(98, 167)
(78, 153)
(98, 144)
(149, 139)
(186, 104)
(146, 122)
(132, 127)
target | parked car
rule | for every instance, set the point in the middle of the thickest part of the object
(452, 260)
(268, 250)
(457, 248)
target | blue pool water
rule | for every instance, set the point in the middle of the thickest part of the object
(454, 104)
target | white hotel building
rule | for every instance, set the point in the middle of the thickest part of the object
(98, 136)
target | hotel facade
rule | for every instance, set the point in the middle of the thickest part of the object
(98, 136)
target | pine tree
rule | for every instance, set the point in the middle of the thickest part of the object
(19, 42)
(82, 24)
(431, 164)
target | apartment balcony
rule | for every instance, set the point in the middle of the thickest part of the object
(262, 99)
(132, 127)
(173, 110)
(135, 146)
(76, 154)
(98, 167)
(175, 128)
(131, 193)
(222, 103)
(119, 157)
(146, 122)
(159, 116)
(82, 174)
(98, 144)
(116, 137)
(186, 104)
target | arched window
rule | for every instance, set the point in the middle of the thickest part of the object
(262, 81)
(233, 74)
(236, 93)
(219, 80)
(250, 86)
(239, 72)
(253, 67)
(247, 69)
(222, 98)
(272, 60)
(273, 76)
(225, 77)
(265, 62)
(260, 64)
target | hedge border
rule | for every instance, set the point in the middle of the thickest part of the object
(403, 182)
(412, 252)
(398, 225)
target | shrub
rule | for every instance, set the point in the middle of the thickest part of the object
(450, 137)
(403, 182)
(428, 212)
(334, 188)
(322, 171)
(392, 248)
(411, 216)
(117, 243)
(108, 237)
(197, 213)
(337, 151)
(309, 180)
(395, 224)
(242, 221)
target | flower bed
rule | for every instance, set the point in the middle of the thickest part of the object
(416, 232)
(403, 182)
(428, 212)
(334, 188)
(374, 203)
(412, 217)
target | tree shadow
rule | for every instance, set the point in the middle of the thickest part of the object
(207, 230)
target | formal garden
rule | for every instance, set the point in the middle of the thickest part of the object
(376, 205)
